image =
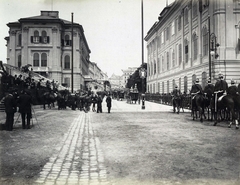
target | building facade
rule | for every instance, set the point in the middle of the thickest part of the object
(46, 43)
(193, 39)
(126, 74)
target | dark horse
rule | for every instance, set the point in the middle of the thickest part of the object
(225, 102)
(198, 106)
(46, 96)
(177, 103)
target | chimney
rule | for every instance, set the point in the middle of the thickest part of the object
(53, 14)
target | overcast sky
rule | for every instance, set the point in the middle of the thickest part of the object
(112, 27)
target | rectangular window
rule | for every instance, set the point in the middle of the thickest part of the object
(44, 63)
(180, 53)
(173, 28)
(186, 53)
(36, 63)
(179, 23)
(67, 82)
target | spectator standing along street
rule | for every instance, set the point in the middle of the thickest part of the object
(109, 103)
(25, 108)
(10, 109)
(99, 104)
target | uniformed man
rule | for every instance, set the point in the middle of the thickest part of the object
(221, 86)
(232, 89)
(209, 89)
(176, 92)
(196, 88)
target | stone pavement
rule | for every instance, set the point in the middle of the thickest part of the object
(78, 158)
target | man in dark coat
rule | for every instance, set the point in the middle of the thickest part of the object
(10, 109)
(209, 89)
(196, 88)
(109, 103)
(99, 104)
(25, 108)
(221, 86)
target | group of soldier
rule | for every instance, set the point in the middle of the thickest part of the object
(220, 88)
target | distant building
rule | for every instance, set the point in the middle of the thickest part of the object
(45, 42)
(182, 45)
(116, 81)
(126, 74)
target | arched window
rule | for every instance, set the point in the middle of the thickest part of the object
(195, 48)
(43, 60)
(163, 67)
(19, 39)
(36, 37)
(159, 67)
(67, 40)
(36, 60)
(185, 84)
(205, 41)
(162, 87)
(67, 62)
(193, 78)
(44, 37)
(186, 50)
(19, 61)
(179, 54)
(173, 84)
(167, 60)
(204, 79)
(173, 57)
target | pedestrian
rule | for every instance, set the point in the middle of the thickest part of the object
(25, 108)
(10, 109)
(109, 103)
(99, 104)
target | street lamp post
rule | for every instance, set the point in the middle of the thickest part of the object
(213, 51)
(142, 69)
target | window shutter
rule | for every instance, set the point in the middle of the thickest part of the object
(70, 42)
(62, 42)
(40, 39)
(48, 39)
(31, 39)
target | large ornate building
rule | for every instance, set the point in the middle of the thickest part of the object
(45, 42)
(193, 39)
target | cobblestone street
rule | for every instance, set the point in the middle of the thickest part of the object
(79, 159)
(129, 146)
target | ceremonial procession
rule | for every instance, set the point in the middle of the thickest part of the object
(80, 105)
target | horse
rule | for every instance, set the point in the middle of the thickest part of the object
(225, 102)
(198, 106)
(177, 103)
(45, 96)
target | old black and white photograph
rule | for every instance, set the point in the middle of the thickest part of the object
(120, 92)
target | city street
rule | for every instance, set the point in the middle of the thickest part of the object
(127, 146)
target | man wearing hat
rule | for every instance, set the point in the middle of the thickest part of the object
(209, 89)
(221, 86)
(176, 92)
(232, 90)
(196, 88)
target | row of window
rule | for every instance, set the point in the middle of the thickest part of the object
(176, 25)
(44, 39)
(41, 60)
(160, 86)
(169, 59)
